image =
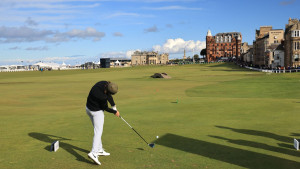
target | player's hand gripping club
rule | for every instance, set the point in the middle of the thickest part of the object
(117, 114)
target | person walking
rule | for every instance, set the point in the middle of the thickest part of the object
(96, 104)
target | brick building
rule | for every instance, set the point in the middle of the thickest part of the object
(292, 43)
(223, 45)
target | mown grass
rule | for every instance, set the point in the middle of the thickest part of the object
(226, 117)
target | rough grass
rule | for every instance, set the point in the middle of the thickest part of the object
(225, 117)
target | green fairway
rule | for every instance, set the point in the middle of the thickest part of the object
(216, 116)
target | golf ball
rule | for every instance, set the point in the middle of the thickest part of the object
(157, 136)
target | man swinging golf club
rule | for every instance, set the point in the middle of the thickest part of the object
(96, 104)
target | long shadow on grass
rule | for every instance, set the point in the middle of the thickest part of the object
(261, 146)
(235, 156)
(68, 147)
(260, 133)
(295, 134)
(228, 67)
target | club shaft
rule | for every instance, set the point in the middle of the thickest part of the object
(126, 122)
(133, 129)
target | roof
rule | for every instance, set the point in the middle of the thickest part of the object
(120, 59)
(42, 64)
(280, 47)
(273, 46)
(228, 33)
(266, 36)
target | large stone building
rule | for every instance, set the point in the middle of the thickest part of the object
(292, 43)
(266, 39)
(223, 45)
(248, 56)
(148, 58)
(278, 57)
(245, 47)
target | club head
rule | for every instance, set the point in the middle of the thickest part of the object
(151, 145)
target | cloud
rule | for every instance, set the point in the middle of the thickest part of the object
(113, 55)
(15, 48)
(171, 46)
(22, 34)
(165, 8)
(118, 34)
(175, 46)
(151, 29)
(30, 48)
(169, 25)
(26, 34)
(46, 4)
(46, 11)
(74, 59)
(182, 22)
(130, 52)
(126, 14)
(118, 14)
(284, 3)
(31, 22)
(58, 59)
(87, 33)
(37, 48)
(126, 54)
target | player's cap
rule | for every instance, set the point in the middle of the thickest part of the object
(112, 88)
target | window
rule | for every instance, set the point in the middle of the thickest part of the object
(295, 33)
(275, 41)
(296, 57)
(296, 45)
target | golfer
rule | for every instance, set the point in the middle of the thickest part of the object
(96, 104)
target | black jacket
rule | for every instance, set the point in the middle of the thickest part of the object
(98, 97)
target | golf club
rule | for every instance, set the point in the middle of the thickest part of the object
(151, 144)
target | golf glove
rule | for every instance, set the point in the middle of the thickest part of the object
(114, 107)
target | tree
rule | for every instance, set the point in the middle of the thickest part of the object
(196, 57)
(203, 52)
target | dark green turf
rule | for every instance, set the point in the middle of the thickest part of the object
(207, 116)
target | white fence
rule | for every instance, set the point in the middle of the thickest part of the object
(26, 70)
(273, 71)
(15, 70)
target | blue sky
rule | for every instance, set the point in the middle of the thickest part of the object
(76, 31)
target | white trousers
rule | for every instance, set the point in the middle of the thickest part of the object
(97, 118)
